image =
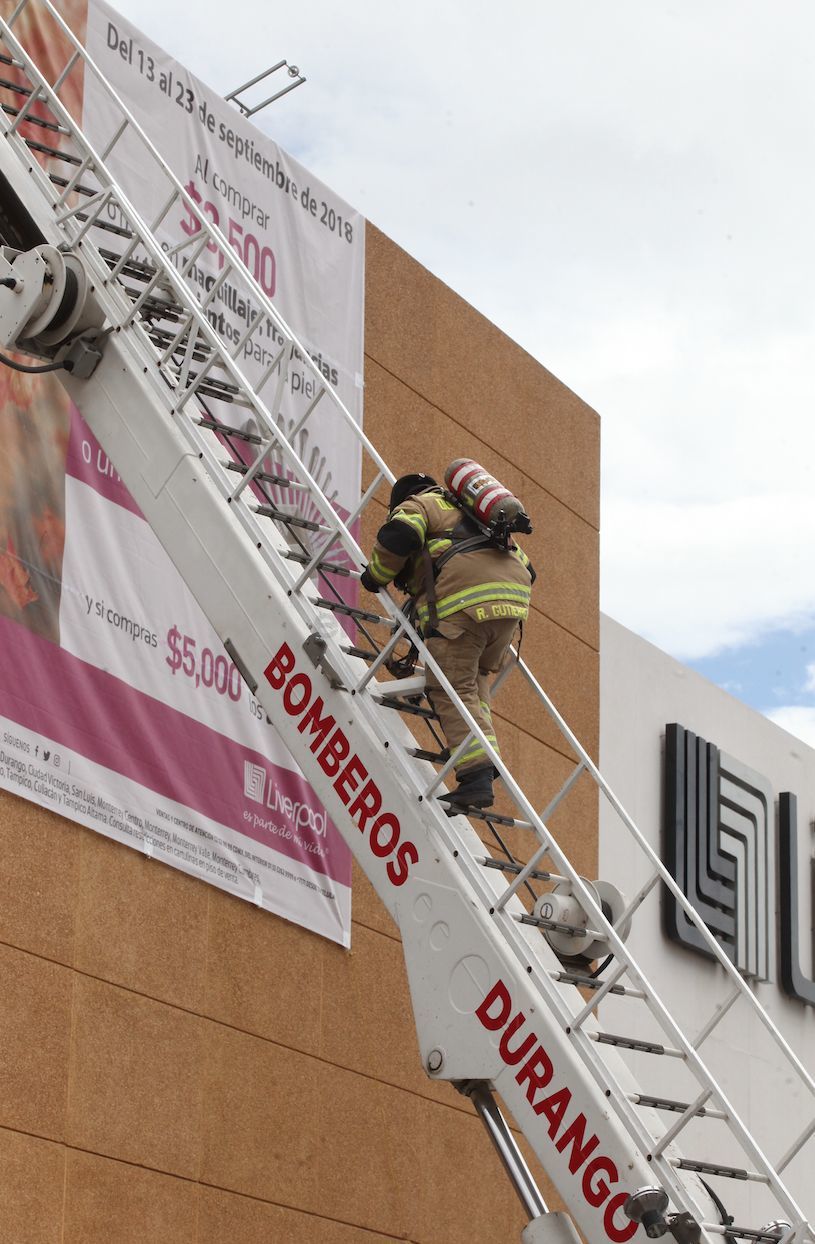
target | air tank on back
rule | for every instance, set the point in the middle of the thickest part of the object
(481, 494)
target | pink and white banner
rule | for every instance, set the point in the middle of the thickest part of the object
(118, 706)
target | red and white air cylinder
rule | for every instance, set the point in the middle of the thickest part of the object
(479, 492)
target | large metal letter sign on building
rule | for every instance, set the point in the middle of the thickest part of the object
(796, 984)
(719, 846)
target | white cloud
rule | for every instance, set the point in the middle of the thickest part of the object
(796, 719)
(696, 578)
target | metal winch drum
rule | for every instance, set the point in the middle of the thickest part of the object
(52, 299)
(564, 908)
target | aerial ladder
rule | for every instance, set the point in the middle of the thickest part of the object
(498, 952)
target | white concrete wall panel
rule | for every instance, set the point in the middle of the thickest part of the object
(642, 690)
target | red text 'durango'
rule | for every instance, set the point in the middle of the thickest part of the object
(594, 1173)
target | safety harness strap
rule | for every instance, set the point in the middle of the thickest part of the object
(460, 543)
(430, 572)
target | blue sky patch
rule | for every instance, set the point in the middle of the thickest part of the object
(777, 670)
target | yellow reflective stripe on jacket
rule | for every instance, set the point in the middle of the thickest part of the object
(436, 547)
(417, 521)
(483, 593)
(379, 569)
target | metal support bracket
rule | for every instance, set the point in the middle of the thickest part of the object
(315, 649)
(249, 110)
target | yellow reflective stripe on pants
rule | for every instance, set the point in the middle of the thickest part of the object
(476, 752)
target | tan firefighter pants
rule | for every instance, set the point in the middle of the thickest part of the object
(468, 652)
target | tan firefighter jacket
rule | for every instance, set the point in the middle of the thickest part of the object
(488, 582)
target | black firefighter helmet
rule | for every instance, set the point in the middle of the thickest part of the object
(407, 486)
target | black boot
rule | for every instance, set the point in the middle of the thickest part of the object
(474, 789)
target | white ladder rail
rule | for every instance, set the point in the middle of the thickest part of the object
(349, 543)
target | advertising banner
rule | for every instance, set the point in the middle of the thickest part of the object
(118, 706)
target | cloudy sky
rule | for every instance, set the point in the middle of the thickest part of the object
(626, 187)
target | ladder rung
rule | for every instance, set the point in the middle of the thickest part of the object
(632, 1043)
(107, 225)
(170, 310)
(291, 520)
(162, 337)
(301, 558)
(222, 389)
(268, 478)
(714, 1168)
(437, 758)
(401, 706)
(135, 267)
(213, 388)
(495, 818)
(558, 926)
(88, 191)
(33, 145)
(677, 1107)
(338, 606)
(32, 120)
(213, 425)
(226, 390)
(15, 87)
(363, 653)
(139, 271)
(506, 867)
(164, 301)
(158, 335)
(595, 982)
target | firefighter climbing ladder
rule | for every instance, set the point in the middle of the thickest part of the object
(494, 1006)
